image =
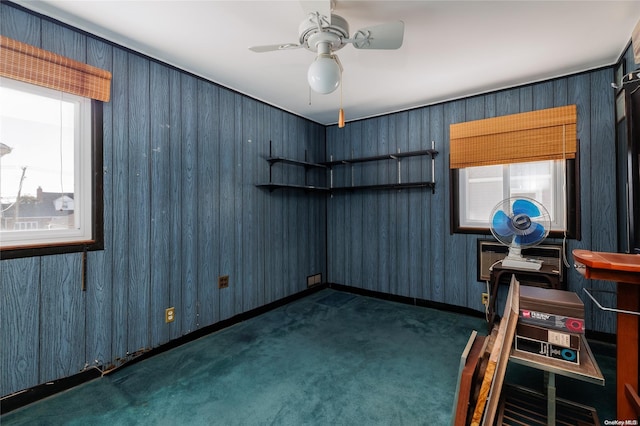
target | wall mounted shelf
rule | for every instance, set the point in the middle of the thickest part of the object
(408, 185)
(398, 155)
(273, 186)
(399, 184)
(306, 164)
(330, 165)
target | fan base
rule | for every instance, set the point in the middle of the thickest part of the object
(522, 263)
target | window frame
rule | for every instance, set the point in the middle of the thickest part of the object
(96, 242)
(572, 193)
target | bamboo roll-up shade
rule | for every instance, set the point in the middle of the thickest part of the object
(29, 64)
(549, 134)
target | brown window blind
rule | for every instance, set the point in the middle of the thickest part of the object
(30, 64)
(548, 134)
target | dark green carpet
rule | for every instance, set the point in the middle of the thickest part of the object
(332, 358)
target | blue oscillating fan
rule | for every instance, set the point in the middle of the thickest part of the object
(518, 223)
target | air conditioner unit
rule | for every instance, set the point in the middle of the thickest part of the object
(491, 251)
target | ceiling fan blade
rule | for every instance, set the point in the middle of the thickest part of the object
(322, 7)
(383, 36)
(274, 47)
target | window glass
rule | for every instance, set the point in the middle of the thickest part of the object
(45, 166)
(482, 188)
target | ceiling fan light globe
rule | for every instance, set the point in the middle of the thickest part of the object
(324, 75)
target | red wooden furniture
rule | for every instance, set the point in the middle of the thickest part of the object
(624, 269)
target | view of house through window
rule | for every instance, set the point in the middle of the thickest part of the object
(481, 188)
(45, 166)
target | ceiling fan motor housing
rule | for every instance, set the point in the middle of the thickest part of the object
(333, 34)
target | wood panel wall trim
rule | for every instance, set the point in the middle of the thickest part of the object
(547, 134)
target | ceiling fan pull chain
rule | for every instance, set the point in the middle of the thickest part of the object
(341, 112)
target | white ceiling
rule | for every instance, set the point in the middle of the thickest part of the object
(451, 49)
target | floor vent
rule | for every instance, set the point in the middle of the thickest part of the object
(313, 280)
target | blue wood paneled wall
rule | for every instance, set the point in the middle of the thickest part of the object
(399, 242)
(181, 158)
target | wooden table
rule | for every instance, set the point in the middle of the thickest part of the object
(625, 270)
(548, 276)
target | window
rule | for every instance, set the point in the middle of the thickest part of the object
(50, 152)
(532, 154)
(481, 188)
(46, 167)
(477, 190)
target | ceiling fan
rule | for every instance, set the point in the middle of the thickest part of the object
(324, 33)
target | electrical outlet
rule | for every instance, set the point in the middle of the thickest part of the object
(169, 314)
(223, 281)
(485, 299)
